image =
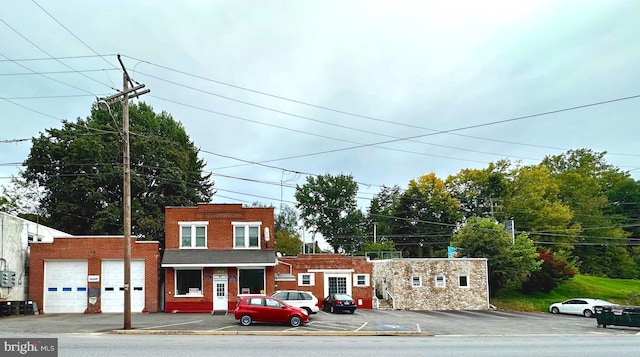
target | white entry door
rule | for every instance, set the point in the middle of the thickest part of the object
(220, 293)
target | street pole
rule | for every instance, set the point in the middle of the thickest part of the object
(103, 104)
(126, 203)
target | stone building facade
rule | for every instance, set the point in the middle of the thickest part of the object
(432, 284)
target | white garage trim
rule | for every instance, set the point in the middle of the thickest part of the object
(112, 286)
(65, 286)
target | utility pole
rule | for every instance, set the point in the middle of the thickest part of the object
(124, 97)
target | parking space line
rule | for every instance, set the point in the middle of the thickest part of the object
(363, 325)
(334, 325)
(476, 313)
(418, 328)
(388, 312)
(176, 324)
(529, 316)
(449, 313)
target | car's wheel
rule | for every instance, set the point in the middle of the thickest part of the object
(587, 313)
(352, 311)
(308, 310)
(331, 309)
(554, 310)
(295, 321)
(245, 320)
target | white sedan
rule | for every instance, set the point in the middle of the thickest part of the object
(578, 306)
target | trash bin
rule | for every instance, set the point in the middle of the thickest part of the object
(618, 315)
(5, 308)
(26, 307)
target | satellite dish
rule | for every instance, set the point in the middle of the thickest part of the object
(279, 255)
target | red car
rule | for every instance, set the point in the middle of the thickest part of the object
(263, 308)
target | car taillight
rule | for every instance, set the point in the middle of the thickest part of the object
(338, 302)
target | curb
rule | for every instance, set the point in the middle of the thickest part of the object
(271, 333)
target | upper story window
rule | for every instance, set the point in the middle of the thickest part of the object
(193, 235)
(416, 281)
(440, 282)
(246, 235)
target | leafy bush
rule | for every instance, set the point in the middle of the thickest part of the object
(554, 270)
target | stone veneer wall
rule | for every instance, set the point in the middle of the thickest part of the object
(395, 276)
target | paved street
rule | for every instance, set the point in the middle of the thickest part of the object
(444, 323)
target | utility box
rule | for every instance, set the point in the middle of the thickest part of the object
(7, 279)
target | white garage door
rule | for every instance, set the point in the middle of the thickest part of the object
(65, 286)
(112, 299)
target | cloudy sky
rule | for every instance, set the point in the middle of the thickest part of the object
(387, 91)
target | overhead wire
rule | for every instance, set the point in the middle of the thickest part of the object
(51, 56)
(374, 118)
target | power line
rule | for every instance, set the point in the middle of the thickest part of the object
(48, 54)
(320, 121)
(53, 58)
(308, 133)
(76, 37)
(54, 72)
(435, 131)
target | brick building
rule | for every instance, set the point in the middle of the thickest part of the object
(86, 274)
(327, 273)
(213, 252)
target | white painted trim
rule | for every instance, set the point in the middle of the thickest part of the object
(191, 223)
(331, 271)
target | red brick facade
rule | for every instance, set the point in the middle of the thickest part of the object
(94, 250)
(219, 237)
(322, 265)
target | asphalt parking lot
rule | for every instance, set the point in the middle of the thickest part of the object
(363, 322)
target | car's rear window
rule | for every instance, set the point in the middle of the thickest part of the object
(343, 297)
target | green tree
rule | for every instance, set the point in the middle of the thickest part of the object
(286, 219)
(288, 243)
(327, 205)
(479, 191)
(379, 218)
(532, 200)
(424, 217)
(507, 261)
(80, 165)
(585, 183)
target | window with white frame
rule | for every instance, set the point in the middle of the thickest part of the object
(463, 280)
(440, 282)
(193, 235)
(306, 279)
(416, 281)
(246, 235)
(361, 280)
(188, 282)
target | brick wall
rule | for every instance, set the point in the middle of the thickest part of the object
(395, 276)
(94, 250)
(219, 237)
(219, 230)
(305, 262)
